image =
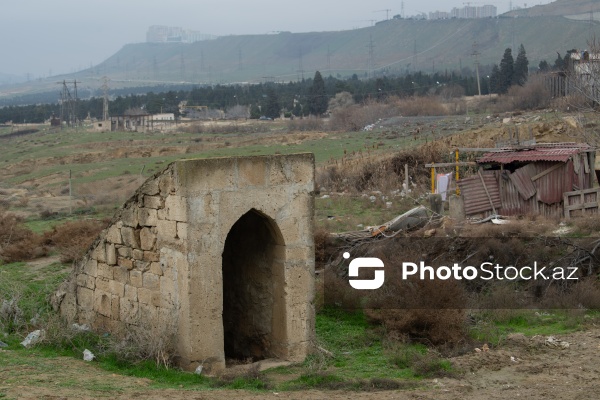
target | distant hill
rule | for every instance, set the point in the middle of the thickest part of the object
(398, 46)
(11, 78)
(575, 9)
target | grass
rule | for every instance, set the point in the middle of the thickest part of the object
(493, 326)
(31, 288)
(47, 145)
(358, 348)
(349, 212)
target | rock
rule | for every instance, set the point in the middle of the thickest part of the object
(553, 342)
(80, 328)
(429, 233)
(33, 338)
(485, 347)
(517, 339)
(2, 344)
(198, 370)
(573, 123)
(88, 355)
(477, 350)
(506, 120)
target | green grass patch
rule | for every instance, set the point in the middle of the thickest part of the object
(494, 325)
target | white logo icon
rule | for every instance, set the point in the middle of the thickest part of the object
(365, 262)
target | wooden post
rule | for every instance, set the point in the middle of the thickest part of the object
(70, 194)
(406, 177)
(432, 179)
(457, 173)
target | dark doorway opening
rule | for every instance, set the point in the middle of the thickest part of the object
(253, 292)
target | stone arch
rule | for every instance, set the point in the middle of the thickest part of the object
(253, 260)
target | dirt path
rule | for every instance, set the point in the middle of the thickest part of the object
(537, 371)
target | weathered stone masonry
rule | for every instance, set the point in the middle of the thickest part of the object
(219, 249)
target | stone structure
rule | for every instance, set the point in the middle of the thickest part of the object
(221, 250)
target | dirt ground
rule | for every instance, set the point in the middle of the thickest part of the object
(521, 367)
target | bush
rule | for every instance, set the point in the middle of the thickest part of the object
(386, 173)
(310, 123)
(73, 238)
(420, 106)
(356, 117)
(532, 96)
(423, 361)
(18, 243)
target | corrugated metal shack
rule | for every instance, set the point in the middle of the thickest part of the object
(553, 180)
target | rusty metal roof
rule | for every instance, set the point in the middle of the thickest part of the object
(539, 153)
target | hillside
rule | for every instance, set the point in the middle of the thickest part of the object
(439, 45)
(575, 9)
(398, 46)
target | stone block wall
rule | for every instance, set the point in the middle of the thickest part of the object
(160, 263)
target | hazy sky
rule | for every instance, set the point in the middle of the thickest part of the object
(43, 37)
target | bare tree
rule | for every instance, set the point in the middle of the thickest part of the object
(583, 75)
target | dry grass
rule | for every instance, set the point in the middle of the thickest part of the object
(17, 243)
(136, 343)
(532, 96)
(109, 193)
(310, 123)
(383, 173)
(73, 238)
(420, 106)
(356, 117)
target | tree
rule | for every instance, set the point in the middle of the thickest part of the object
(317, 100)
(507, 69)
(272, 107)
(521, 67)
(341, 100)
(494, 78)
(544, 66)
(582, 72)
(254, 111)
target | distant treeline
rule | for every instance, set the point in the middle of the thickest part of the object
(293, 96)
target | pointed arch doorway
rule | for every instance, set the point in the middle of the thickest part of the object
(254, 306)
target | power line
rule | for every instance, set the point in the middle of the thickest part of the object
(68, 103)
(300, 66)
(387, 13)
(371, 47)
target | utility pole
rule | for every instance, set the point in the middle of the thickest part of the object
(371, 47)
(387, 13)
(240, 64)
(182, 72)
(476, 55)
(155, 68)
(300, 66)
(68, 103)
(402, 9)
(105, 99)
(415, 54)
